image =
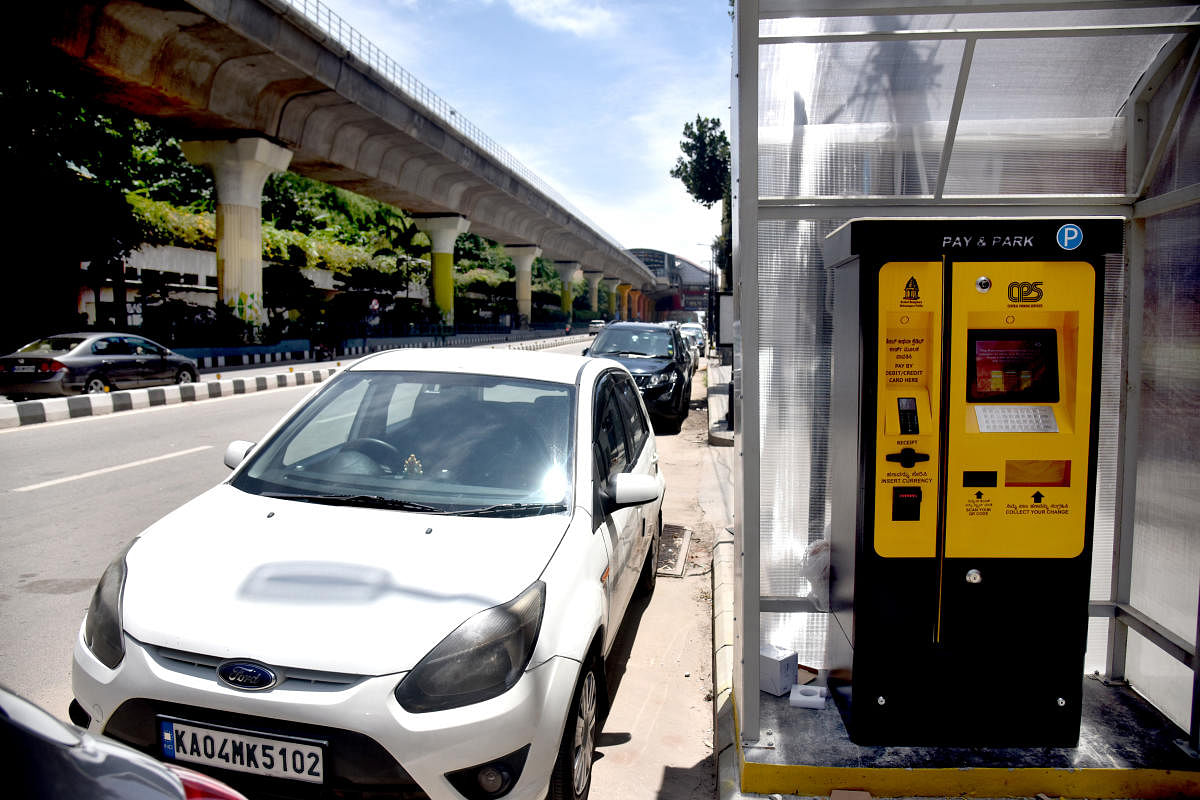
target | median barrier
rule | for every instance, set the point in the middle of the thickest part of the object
(54, 409)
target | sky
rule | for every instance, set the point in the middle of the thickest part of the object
(590, 95)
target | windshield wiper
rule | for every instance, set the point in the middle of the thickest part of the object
(513, 509)
(368, 500)
(625, 353)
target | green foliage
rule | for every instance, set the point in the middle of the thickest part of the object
(165, 224)
(704, 165)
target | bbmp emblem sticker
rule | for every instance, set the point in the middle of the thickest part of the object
(1069, 237)
(911, 290)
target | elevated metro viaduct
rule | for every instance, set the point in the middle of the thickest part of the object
(255, 87)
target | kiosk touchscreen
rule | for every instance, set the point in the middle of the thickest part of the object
(966, 359)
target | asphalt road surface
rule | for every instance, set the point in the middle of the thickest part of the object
(76, 491)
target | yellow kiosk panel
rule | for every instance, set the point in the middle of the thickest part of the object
(907, 435)
(1018, 432)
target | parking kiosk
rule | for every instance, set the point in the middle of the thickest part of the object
(962, 485)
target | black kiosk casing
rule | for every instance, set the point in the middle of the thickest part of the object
(962, 487)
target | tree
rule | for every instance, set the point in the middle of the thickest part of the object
(704, 165)
(704, 170)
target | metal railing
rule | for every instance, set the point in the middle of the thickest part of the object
(360, 47)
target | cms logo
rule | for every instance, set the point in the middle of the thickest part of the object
(1025, 292)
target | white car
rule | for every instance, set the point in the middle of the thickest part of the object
(695, 331)
(409, 587)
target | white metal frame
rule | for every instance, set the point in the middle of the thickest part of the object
(1143, 163)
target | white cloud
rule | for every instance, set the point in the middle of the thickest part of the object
(580, 17)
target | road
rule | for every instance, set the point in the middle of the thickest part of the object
(76, 491)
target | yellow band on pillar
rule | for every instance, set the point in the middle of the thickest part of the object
(443, 285)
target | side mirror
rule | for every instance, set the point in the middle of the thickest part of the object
(236, 452)
(627, 489)
(585, 350)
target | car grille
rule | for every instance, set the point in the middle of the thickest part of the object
(204, 666)
(357, 767)
(642, 381)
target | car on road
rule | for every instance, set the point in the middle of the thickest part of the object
(695, 333)
(408, 588)
(51, 760)
(91, 363)
(595, 326)
(660, 362)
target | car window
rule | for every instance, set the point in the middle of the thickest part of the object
(633, 415)
(55, 344)
(449, 442)
(633, 341)
(110, 346)
(141, 347)
(328, 428)
(611, 446)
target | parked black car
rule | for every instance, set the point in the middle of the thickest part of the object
(50, 760)
(660, 362)
(79, 363)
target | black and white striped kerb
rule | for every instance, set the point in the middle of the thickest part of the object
(32, 412)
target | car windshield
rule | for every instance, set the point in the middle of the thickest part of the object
(424, 441)
(633, 342)
(54, 344)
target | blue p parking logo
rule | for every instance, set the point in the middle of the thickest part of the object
(1069, 237)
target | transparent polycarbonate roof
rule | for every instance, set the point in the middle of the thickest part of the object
(1015, 100)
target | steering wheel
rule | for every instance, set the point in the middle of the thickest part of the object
(377, 449)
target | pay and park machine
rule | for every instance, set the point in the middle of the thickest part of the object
(966, 360)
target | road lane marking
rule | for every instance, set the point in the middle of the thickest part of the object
(116, 468)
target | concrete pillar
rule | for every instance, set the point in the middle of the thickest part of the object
(593, 279)
(623, 303)
(611, 285)
(443, 232)
(522, 257)
(240, 168)
(635, 301)
(566, 271)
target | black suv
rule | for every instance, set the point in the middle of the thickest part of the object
(658, 358)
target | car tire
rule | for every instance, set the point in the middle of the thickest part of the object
(185, 375)
(649, 576)
(96, 384)
(571, 778)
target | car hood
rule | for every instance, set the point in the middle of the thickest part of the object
(354, 590)
(641, 365)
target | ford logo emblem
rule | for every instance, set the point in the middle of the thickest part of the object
(247, 675)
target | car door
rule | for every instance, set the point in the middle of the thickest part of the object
(610, 455)
(116, 361)
(643, 460)
(150, 362)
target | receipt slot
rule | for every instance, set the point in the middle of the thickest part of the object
(962, 481)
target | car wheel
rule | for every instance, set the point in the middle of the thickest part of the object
(95, 384)
(572, 775)
(185, 375)
(649, 576)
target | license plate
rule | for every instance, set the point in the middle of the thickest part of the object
(24, 368)
(227, 748)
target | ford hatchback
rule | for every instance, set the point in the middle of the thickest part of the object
(408, 587)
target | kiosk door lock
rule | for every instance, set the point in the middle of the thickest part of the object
(907, 457)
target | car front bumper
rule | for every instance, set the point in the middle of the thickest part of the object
(125, 702)
(660, 400)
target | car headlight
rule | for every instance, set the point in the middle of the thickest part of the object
(660, 379)
(102, 629)
(481, 659)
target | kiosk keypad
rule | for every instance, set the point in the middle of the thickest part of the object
(1016, 419)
